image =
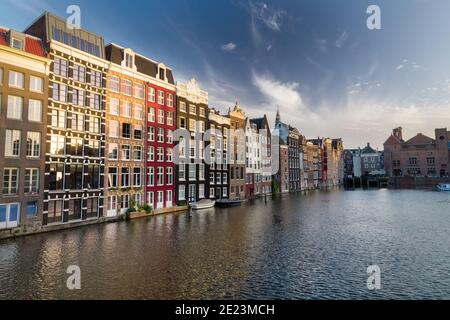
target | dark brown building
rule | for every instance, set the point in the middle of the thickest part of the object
(23, 105)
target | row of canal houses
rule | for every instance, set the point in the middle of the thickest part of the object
(91, 131)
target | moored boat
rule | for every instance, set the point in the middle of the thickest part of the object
(202, 204)
(443, 186)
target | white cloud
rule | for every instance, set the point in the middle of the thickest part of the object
(269, 47)
(272, 18)
(229, 46)
(399, 67)
(342, 39)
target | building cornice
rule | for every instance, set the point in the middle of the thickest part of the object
(24, 59)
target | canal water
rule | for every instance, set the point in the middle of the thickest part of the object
(314, 246)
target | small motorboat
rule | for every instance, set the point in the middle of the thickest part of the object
(443, 186)
(202, 204)
(228, 203)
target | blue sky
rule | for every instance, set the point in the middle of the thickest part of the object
(315, 60)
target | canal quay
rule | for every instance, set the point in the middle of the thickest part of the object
(314, 246)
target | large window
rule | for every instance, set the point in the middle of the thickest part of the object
(126, 109)
(57, 145)
(16, 79)
(78, 97)
(35, 110)
(77, 122)
(161, 135)
(114, 129)
(151, 154)
(150, 176)
(56, 176)
(76, 147)
(126, 87)
(10, 181)
(93, 177)
(114, 107)
(137, 153)
(182, 171)
(113, 179)
(15, 106)
(151, 94)
(60, 67)
(169, 176)
(161, 97)
(138, 132)
(58, 119)
(31, 184)
(192, 171)
(94, 101)
(93, 148)
(170, 100)
(114, 84)
(126, 130)
(125, 173)
(181, 192)
(59, 92)
(137, 177)
(113, 151)
(138, 91)
(138, 112)
(160, 176)
(151, 133)
(161, 116)
(126, 152)
(74, 209)
(75, 179)
(151, 114)
(94, 125)
(79, 73)
(12, 143)
(36, 84)
(55, 211)
(33, 144)
(96, 78)
(92, 208)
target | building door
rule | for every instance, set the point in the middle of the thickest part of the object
(9, 215)
(192, 192)
(160, 200)
(112, 206)
(169, 198)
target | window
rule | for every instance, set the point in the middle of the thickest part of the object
(32, 207)
(94, 101)
(201, 171)
(57, 145)
(75, 179)
(182, 147)
(160, 135)
(150, 198)
(15, 106)
(94, 125)
(161, 116)
(92, 208)
(169, 136)
(182, 106)
(74, 209)
(170, 100)
(125, 172)
(138, 112)
(218, 178)
(169, 176)
(126, 109)
(192, 171)
(114, 129)
(224, 178)
(192, 125)
(126, 130)
(181, 172)
(169, 155)
(114, 84)
(60, 67)
(56, 174)
(31, 184)
(36, 84)
(10, 181)
(160, 154)
(162, 73)
(33, 144)
(79, 73)
(96, 78)
(114, 107)
(113, 151)
(93, 148)
(138, 132)
(60, 92)
(113, 178)
(77, 122)
(211, 177)
(211, 192)
(55, 210)
(16, 79)
(78, 97)
(137, 178)
(151, 94)
(201, 191)
(138, 91)
(93, 177)
(182, 123)
(151, 115)
(202, 112)
(160, 176)
(150, 176)
(58, 119)
(126, 87)
(161, 97)
(181, 192)
(12, 143)
(126, 152)
(137, 153)
(170, 118)
(129, 60)
(17, 44)
(192, 109)
(151, 133)
(151, 154)
(412, 161)
(76, 147)
(224, 192)
(201, 126)
(192, 148)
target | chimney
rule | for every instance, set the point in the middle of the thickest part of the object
(398, 133)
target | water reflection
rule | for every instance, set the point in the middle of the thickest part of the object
(292, 247)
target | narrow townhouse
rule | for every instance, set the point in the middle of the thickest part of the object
(237, 155)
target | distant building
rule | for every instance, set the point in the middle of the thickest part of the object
(372, 162)
(237, 152)
(420, 156)
(265, 135)
(352, 163)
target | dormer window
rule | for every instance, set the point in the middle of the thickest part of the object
(17, 44)
(129, 60)
(162, 74)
